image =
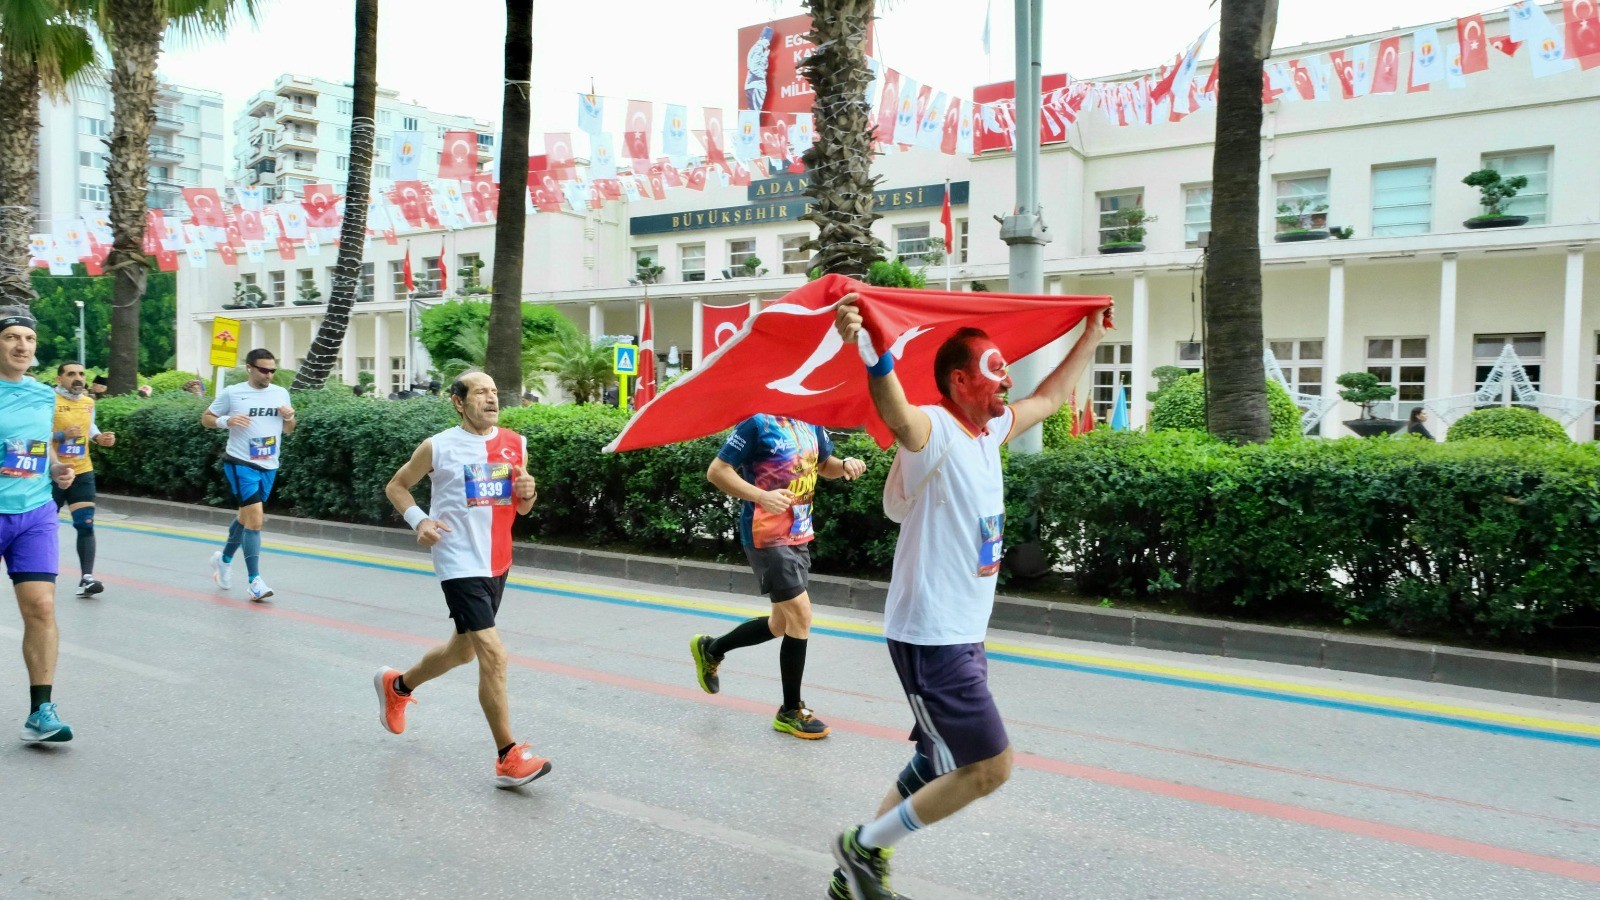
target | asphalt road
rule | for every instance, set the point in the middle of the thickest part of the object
(226, 749)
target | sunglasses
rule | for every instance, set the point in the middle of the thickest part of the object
(265, 371)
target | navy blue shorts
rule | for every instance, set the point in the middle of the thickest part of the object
(248, 483)
(947, 686)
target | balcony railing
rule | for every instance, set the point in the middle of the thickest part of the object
(166, 121)
(165, 153)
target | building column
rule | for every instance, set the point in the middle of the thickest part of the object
(255, 338)
(1440, 385)
(349, 373)
(286, 343)
(1137, 405)
(597, 321)
(1333, 347)
(1572, 341)
(696, 322)
(380, 354)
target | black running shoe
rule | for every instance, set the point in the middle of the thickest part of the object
(705, 663)
(800, 723)
(89, 586)
(866, 871)
(838, 888)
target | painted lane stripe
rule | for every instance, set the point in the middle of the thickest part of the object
(1344, 700)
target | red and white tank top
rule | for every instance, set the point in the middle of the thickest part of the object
(472, 479)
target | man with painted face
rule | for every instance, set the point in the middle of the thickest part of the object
(75, 428)
(28, 545)
(480, 480)
(942, 588)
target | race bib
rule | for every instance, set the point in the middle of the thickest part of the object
(802, 520)
(25, 458)
(264, 447)
(488, 484)
(991, 544)
(72, 448)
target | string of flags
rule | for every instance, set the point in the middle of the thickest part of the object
(655, 155)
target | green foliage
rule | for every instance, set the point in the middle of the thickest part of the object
(58, 320)
(895, 273)
(1493, 191)
(1363, 389)
(581, 368)
(439, 326)
(1165, 376)
(1182, 407)
(170, 382)
(1129, 227)
(1056, 430)
(1508, 423)
(647, 271)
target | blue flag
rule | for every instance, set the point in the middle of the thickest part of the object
(1119, 413)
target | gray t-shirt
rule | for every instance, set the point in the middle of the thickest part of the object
(260, 443)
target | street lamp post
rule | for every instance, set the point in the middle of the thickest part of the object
(80, 332)
(1024, 230)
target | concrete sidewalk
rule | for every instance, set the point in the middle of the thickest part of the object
(1536, 675)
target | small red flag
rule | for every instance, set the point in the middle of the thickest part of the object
(645, 391)
(949, 228)
(405, 271)
(444, 280)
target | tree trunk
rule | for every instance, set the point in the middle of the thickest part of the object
(19, 172)
(503, 358)
(358, 189)
(139, 27)
(840, 158)
(1236, 380)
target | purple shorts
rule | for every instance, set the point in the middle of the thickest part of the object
(948, 689)
(28, 544)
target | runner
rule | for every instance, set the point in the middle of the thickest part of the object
(480, 481)
(74, 428)
(771, 463)
(28, 518)
(257, 415)
(941, 591)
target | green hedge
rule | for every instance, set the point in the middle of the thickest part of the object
(1508, 423)
(1181, 406)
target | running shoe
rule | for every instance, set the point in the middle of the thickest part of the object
(866, 870)
(800, 723)
(519, 767)
(391, 703)
(705, 663)
(221, 572)
(838, 888)
(259, 592)
(89, 585)
(44, 726)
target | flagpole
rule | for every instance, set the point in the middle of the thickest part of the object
(949, 252)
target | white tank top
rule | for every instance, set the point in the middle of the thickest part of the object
(472, 478)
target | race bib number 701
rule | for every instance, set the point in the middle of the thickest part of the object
(488, 484)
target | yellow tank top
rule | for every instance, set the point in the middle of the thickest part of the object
(73, 451)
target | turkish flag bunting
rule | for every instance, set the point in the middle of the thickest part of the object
(322, 206)
(1302, 79)
(390, 238)
(1583, 31)
(712, 136)
(94, 266)
(545, 192)
(636, 137)
(167, 260)
(230, 257)
(670, 176)
(558, 156)
(610, 188)
(459, 158)
(205, 205)
(1505, 44)
(285, 249)
(775, 141)
(1386, 68)
(790, 361)
(1474, 44)
(645, 389)
(412, 199)
(697, 179)
(1346, 72)
(250, 227)
(738, 175)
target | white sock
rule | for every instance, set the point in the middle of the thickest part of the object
(890, 827)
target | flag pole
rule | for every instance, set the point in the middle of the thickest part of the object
(949, 252)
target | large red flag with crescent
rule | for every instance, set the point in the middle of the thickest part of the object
(788, 360)
(718, 324)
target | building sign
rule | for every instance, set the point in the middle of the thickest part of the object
(770, 55)
(774, 188)
(225, 342)
(788, 209)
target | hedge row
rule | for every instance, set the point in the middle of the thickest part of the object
(1478, 538)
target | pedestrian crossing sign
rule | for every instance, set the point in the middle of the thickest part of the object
(625, 359)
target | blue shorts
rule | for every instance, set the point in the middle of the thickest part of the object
(28, 544)
(947, 686)
(248, 483)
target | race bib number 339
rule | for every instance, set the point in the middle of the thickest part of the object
(488, 484)
(25, 458)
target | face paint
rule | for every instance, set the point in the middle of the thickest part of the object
(983, 398)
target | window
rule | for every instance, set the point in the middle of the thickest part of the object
(1486, 349)
(485, 141)
(87, 159)
(738, 252)
(158, 173)
(1532, 201)
(341, 163)
(94, 193)
(1112, 209)
(188, 175)
(345, 107)
(278, 288)
(92, 126)
(1190, 356)
(692, 262)
(397, 278)
(409, 123)
(911, 242)
(1400, 363)
(441, 129)
(367, 287)
(248, 279)
(191, 112)
(1302, 203)
(189, 144)
(1113, 368)
(1196, 213)
(796, 259)
(306, 282)
(1402, 200)
(399, 378)
(380, 145)
(961, 241)
(366, 363)
(1301, 362)
(342, 135)
(380, 170)
(472, 262)
(427, 279)
(385, 117)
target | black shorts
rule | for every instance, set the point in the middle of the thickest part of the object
(474, 602)
(783, 570)
(947, 686)
(81, 491)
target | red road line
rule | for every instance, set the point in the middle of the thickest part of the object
(1548, 865)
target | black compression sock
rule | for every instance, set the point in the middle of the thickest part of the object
(37, 694)
(748, 634)
(792, 666)
(400, 686)
(504, 750)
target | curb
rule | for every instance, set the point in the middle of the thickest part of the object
(1538, 676)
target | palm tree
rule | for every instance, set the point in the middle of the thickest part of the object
(472, 346)
(353, 231)
(41, 49)
(580, 367)
(1236, 395)
(840, 159)
(502, 360)
(134, 30)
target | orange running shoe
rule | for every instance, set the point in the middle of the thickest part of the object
(391, 704)
(519, 767)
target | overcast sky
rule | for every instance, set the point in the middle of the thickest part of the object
(447, 55)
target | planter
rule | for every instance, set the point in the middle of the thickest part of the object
(1374, 427)
(308, 303)
(1295, 237)
(1495, 222)
(1122, 247)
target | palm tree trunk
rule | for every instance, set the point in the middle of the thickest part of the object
(138, 26)
(1236, 379)
(503, 359)
(353, 232)
(840, 158)
(19, 172)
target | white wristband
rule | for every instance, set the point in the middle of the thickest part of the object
(223, 424)
(415, 516)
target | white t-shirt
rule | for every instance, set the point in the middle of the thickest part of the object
(261, 443)
(472, 479)
(947, 560)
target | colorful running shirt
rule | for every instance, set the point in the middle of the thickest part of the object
(72, 411)
(26, 411)
(259, 445)
(773, 452)
(472, 480)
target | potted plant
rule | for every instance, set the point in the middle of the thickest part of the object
(309, 295)
(1127, 233)
(246, 296)
(1363, 389)
(752, 267)
(1342, 234)
(1493, 193)
(1301, 221)
(471, 284)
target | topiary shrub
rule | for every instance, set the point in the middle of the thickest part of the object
(1182, 407)
(169, 382)
(1508, 423)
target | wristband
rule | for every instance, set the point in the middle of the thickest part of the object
(882, 367)
(223, 424)
(415, 516)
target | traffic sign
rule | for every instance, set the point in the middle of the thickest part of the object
(625, 359)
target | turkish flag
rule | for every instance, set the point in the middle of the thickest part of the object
(405, 272)
(459, 158)
(952, 127)
(167, 260)
(670, 176)
(645, 389)
(738, 175)
(697, 179)
(444, 277)
(322, 206)
(93, 266)
(636, 136)
(411, 197)
(790, 361)
(230, 257)
(285, 249)
(775, 141)
(205, 205)
(558, 154)
(235, 239)
(1386, 69)
(712, 137)
(1505, 44)
(718, 324)
(944, 218)
(1268, 92)
(1345, 69)
(546, 194)
(390, 238)
(1163, 85)
(888, 107)
(1474, 44)
(483, 198)
(250, 227)
(1583, 31)
(610, 188)
(1302, 79)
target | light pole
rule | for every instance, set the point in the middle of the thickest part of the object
(80, 332)
(1024, 230)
